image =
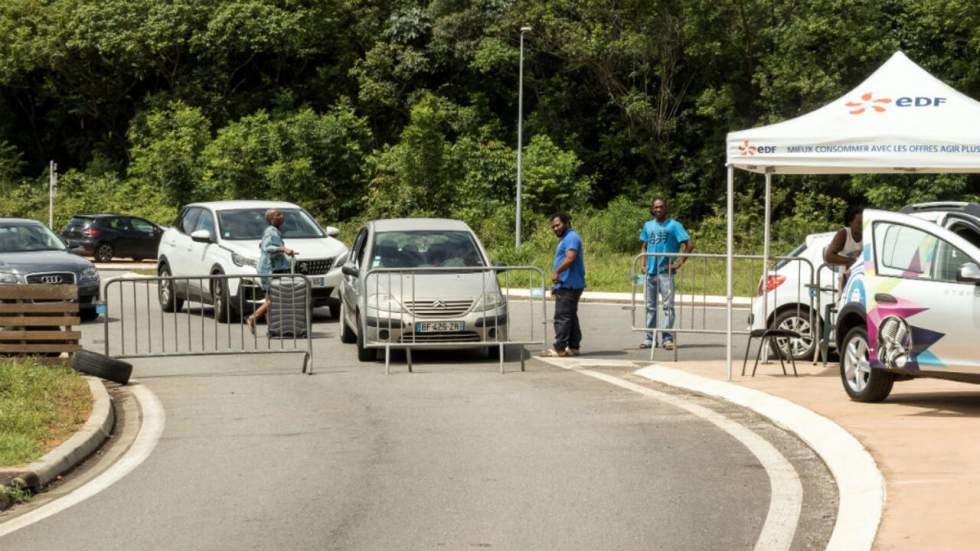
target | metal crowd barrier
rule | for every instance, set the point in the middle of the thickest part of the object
(134, 315)
(399, 318)
(691, 296)
(827, 320)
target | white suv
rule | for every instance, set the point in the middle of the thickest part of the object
(223, 237)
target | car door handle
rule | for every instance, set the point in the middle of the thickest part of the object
(885, 297)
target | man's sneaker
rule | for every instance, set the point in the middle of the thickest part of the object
(668, 345)
(646, 345)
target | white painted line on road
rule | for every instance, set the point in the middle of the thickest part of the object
(860, 485)
(785, 488)
(153, 421)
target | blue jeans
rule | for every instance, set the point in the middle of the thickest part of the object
(661, 284)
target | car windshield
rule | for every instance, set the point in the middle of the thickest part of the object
(420, 249)
(248, 224)
(19, 238)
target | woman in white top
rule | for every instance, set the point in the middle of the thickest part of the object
(845, 248)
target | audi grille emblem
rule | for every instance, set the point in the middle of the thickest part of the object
(52, 279)
(438, 304)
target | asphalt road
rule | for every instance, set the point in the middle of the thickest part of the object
(255, 455)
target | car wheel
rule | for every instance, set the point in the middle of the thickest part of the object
(103, 252)
(347, 335)
(334, 309)
(167, 293)
(862, 382)
(93, 363)
(223, 311)
(364, 354)
(798, 322)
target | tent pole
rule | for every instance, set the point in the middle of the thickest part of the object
(728, 269)
(765, 254)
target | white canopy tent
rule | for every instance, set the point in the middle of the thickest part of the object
(900, 120)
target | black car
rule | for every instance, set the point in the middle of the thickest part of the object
(31, 253)
(106, 236)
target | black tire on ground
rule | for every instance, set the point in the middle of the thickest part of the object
(365, 354)
(166, 293)
(103, 252)
(493, 352)
(794, 322)
(877, 383)
(347, 335)
(93, 363)
(224, 311)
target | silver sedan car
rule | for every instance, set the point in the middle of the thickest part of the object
(420, 282)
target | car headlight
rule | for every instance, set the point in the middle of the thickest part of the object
(89, 274)
(490, 301)
(384, 303)
(340, 260)
(241, 260)
(8, 277)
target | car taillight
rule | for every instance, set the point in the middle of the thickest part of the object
(774, 281)
(91, 232)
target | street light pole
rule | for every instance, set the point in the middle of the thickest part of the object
(520, 137)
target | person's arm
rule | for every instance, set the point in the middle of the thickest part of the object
(566, 263)
(688, 247)
(832, 256)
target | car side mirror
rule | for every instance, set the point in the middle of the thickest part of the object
(350, 270)
(201, 236)
(969, 273)
(332, 231)
(500, 265)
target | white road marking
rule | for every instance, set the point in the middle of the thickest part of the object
(153, 421)
(860, 485)
(785, 488)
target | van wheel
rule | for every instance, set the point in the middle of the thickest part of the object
(347, 335)
(862, 382)
(166, 292)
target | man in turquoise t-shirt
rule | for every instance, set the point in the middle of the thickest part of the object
(659, 236)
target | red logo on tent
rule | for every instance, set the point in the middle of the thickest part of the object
(858, 107)
(746, 148)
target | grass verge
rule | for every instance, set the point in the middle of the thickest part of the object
(41, 404)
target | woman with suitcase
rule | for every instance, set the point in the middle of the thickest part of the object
(272, 260)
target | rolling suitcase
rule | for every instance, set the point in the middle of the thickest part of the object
(288, 312)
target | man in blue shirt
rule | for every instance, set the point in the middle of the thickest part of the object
(659, 236)
(568, 281)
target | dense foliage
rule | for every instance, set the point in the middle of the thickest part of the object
(366, 108)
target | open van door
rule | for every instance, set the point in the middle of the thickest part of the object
(921, 290)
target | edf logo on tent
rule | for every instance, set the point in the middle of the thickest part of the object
(878, 104)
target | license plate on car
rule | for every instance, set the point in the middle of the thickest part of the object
(318, 281)
(439, 326)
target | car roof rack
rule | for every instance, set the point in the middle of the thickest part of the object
(972, 209)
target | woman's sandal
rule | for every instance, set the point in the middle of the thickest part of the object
(552, 353)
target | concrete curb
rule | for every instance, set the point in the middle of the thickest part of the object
(860, 485)
(73, 451)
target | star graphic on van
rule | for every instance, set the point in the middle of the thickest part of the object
(858, 107)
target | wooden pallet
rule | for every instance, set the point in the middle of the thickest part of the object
(38, 319)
